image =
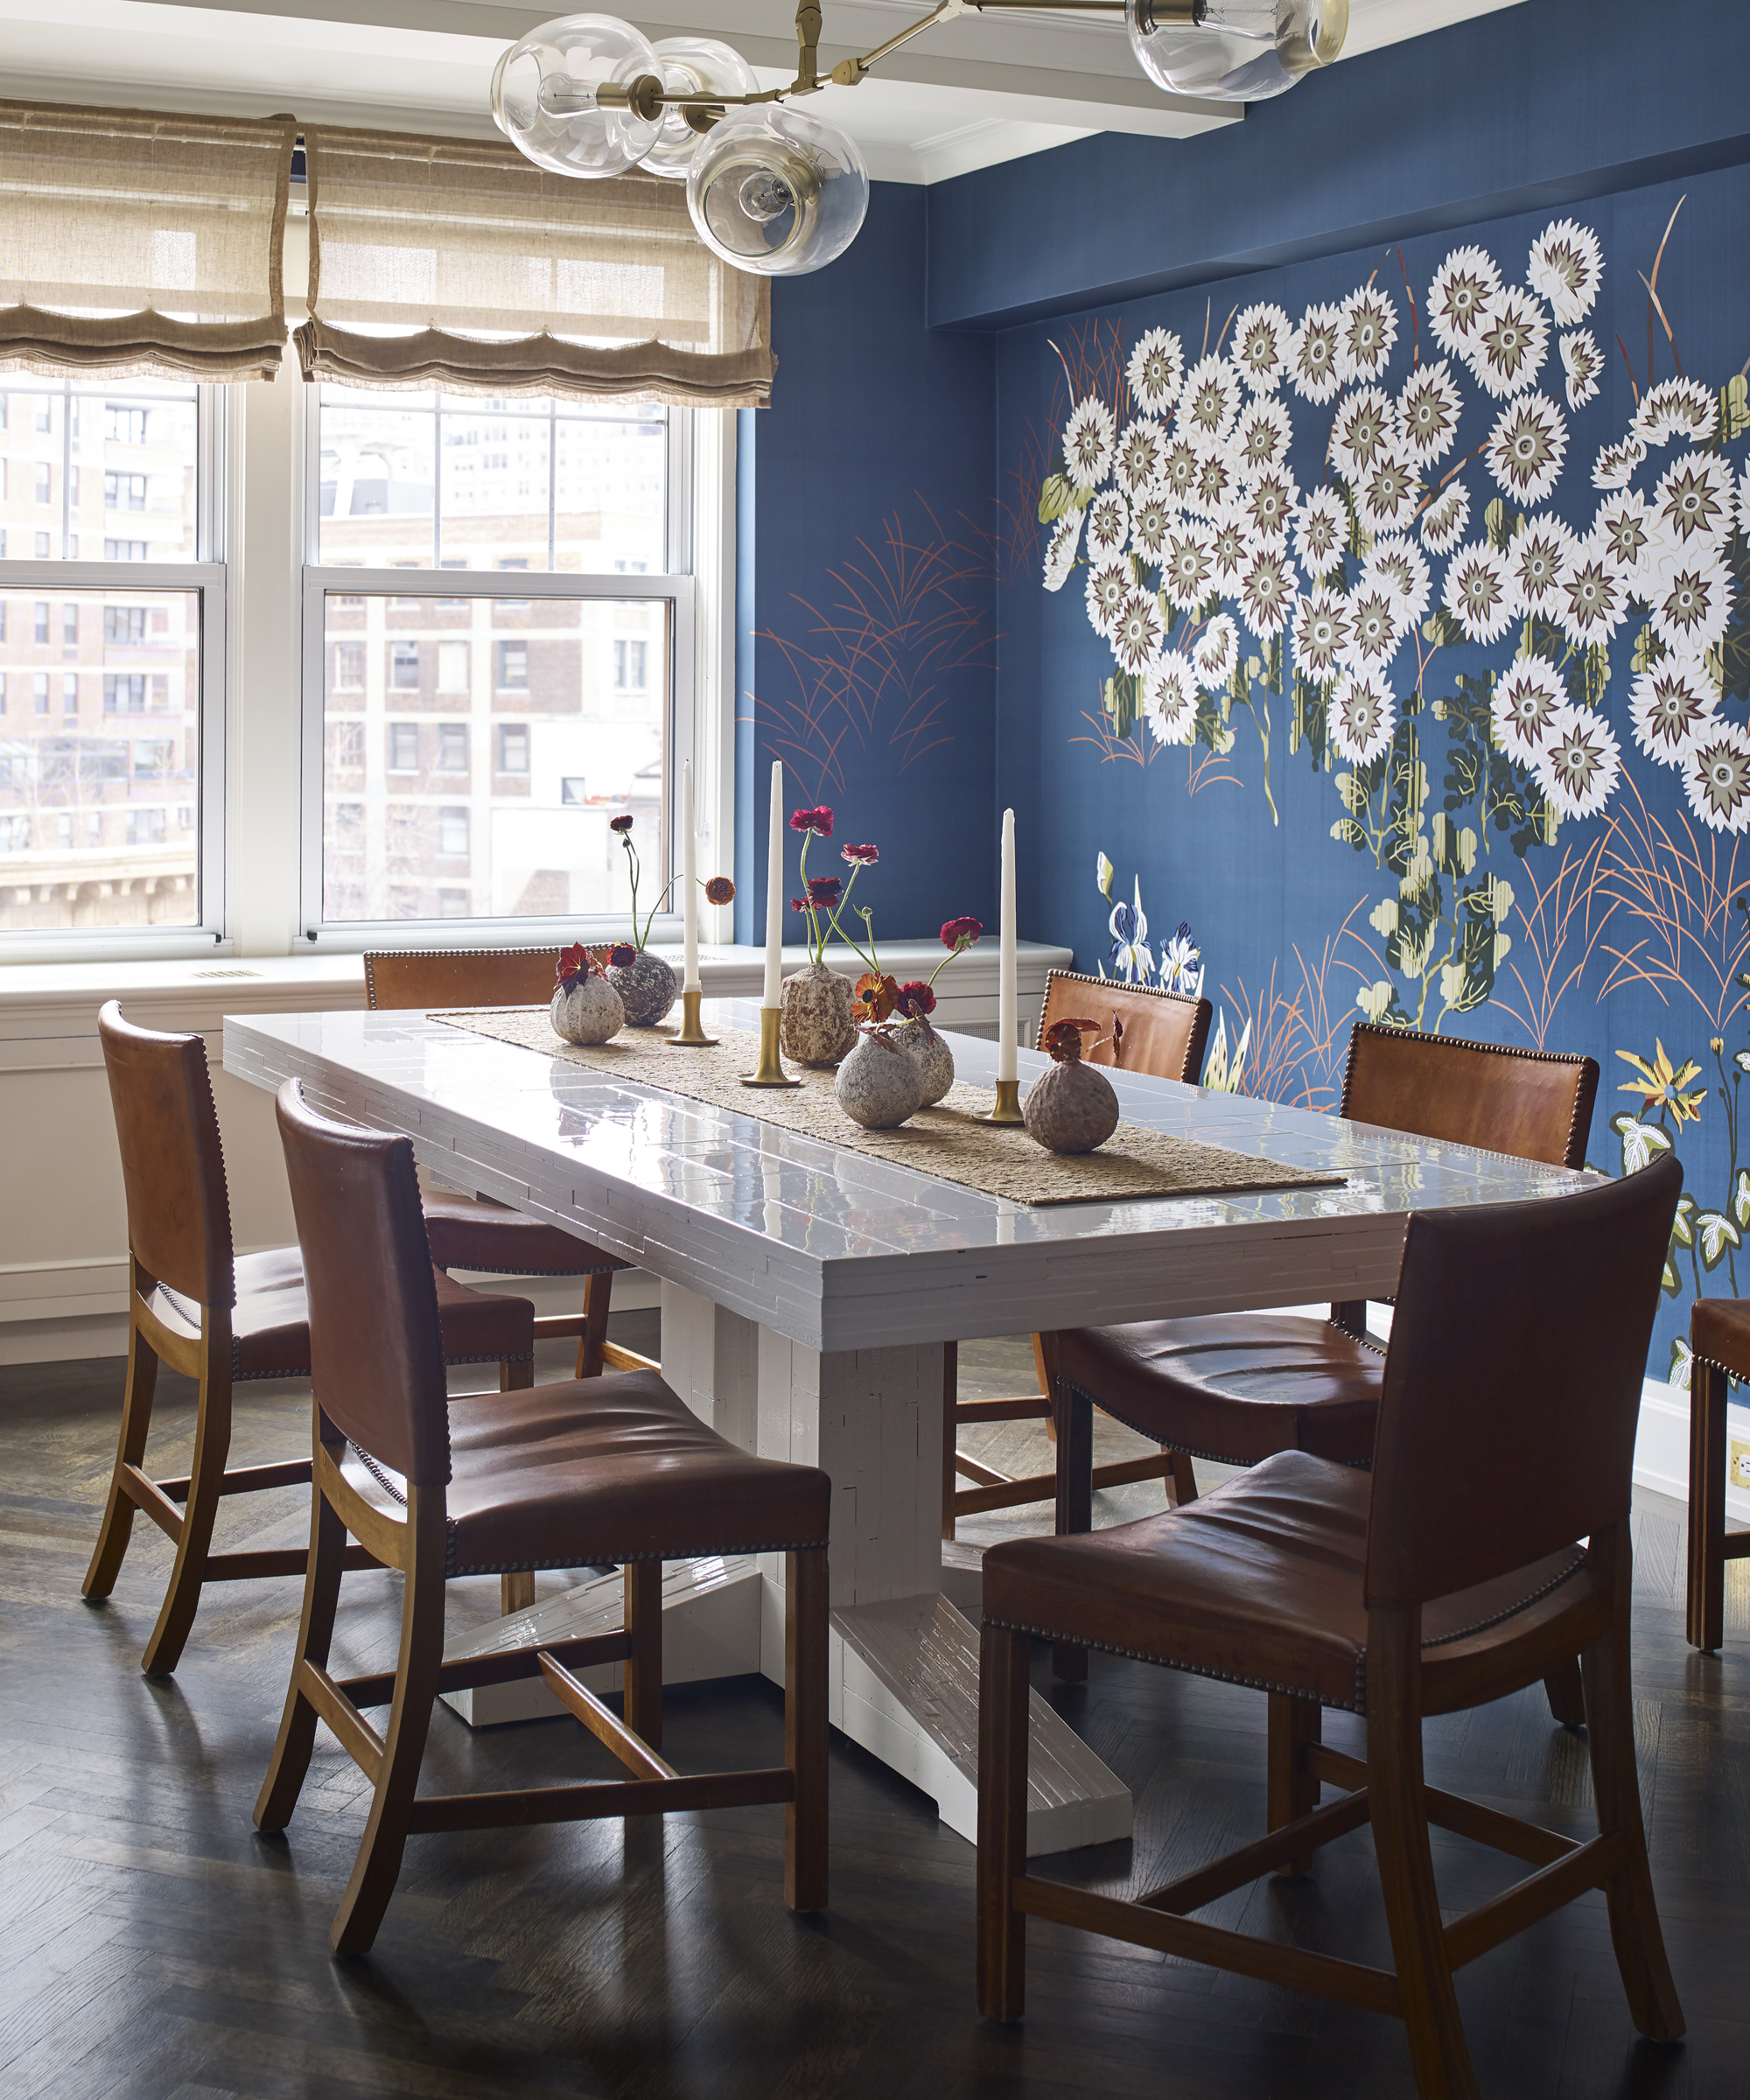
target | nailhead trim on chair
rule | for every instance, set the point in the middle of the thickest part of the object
(1458, 1042)
(1077, 977)
(439, 954)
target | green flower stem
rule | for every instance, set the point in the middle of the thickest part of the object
(862, 913)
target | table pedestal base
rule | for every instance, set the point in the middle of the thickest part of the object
(903, 1686)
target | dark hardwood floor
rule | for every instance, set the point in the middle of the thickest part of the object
(152, 1945)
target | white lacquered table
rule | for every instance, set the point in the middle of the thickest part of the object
(806, 1292)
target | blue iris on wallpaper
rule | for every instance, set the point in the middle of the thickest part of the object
(1363, 536)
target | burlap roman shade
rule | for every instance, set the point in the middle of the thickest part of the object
(143, 244)
(500, 278)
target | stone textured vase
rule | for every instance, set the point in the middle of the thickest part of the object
(590, 1011)
(935, 1058)
(646, 986)
(1070, 1108)
(879, 1085)
(815, 1026)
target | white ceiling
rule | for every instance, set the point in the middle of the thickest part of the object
(967, 95)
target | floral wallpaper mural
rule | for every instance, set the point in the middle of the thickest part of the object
(1451, 574)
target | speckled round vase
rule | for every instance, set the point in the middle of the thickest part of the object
(935, 1058)
(591, 1012)
(646, 986)
(815, 1026)
(879, 1084)
(1070, 1108)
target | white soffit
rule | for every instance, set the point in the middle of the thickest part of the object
(969, 94)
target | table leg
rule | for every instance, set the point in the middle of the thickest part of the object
(904, 1660)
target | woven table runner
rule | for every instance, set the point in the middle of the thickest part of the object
(945, 1141)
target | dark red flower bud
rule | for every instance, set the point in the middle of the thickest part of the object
(621, 953)
(622, 824)
(720, 890)
(961, 933)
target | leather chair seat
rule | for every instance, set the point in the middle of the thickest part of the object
(474, 1232)
(615, 1468)
(1720, 1332)
(1260, 1582)
(1233, 1388)
(270, 1320)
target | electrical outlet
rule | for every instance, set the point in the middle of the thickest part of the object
(1738, 1465)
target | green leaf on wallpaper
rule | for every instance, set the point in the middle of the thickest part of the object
(1716, 1233)
(1670, 1282)
(1680, 1355)
(1347, 832)
(1740, 1196)
(1587, 674)
(1682, 1232)
(1734, 407)
(1123, 700)
(1501, 523)
(1649, 650)
(1442, 629)
(1642, 1143)
(1057, 499)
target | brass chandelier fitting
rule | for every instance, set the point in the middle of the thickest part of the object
(777, 191)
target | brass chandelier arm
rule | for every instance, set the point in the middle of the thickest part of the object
(647, 97)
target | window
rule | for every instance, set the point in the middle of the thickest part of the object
(403, 666)
(452, 833)
(69, 693)
(124, 692)
(572, 793)
(512, 667)
(124, 426)
(124, 492)
(452, 747)
(45, 482)
(146, 827)
(452, 904)
(512, 748)
(346, 747)
(404, 748)
(42, 692)
(69, 623)
(349, 666)
(42, 623)
(124, 550)
(124, 624)
(628, 666)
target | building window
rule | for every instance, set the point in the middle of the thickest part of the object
(512, 748)
(346, 747)
(45, 482)
(403, 666)
(125, 624)
(629, 660)
(124, 692)
(512, 667)
(452, 904)
(125, 550)
(349, 666)
(69, 623)
(42, 692)
(146, 827)
(124, 492)
(452, 747)
(69, 693)
(404, 748)
(452, 833)
(42, 623)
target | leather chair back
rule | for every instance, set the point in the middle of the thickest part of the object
(376, 1351)
(1530, 1103)
(1159, 1033)
(481, 976)
(1513, 1381)
(173, 1168)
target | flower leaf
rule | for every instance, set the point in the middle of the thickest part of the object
(1740, 1196)
(1642, 1143)
(1717, 1233)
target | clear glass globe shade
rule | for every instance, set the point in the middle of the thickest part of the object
(777, 191)
(1234, 51)
(693, 66)
(543, 95)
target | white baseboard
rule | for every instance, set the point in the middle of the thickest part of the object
(75, 1337)
(1662, 1449)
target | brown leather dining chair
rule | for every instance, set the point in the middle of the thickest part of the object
(222, 1319)
(1719, 1342)
(610, 1468)
(473, 1232)
(1163, 1033)
(1383, 1596)
(1237, 1387)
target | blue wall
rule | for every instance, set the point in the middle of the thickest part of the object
(866, 589)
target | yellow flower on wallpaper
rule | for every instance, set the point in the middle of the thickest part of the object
(1662, 1087)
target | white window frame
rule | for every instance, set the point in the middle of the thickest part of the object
(209, 575)
(696, 588)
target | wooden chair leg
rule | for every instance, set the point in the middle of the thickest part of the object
(1635, 1932)
(597, 1298)
(1042, 1369)
(1074, 1501)
(1566, 1695)
(290, 1758)
(1294, 1723)
(1704, 1612)
(205, 1484)
(378, 1865)
(130, 1450)
(951, 1427)
(1183, 1487)
(805, 1728)
(1003, 1690)
(1430, 2007)
(516, 1590)
(641, 1586)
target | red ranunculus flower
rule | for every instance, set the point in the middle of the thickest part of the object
(961, 933)
(817, 821)
(915, 999)
(621, 953)
(622, 824)
(574, 963)
(860, 856)
(799, 904)
(823, 891)
(720, 890)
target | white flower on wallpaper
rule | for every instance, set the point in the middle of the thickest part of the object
(1435, 431)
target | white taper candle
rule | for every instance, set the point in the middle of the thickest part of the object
(1008, 1011)
(774, 890)
(689, 888)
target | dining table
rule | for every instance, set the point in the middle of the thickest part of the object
(807, 1289)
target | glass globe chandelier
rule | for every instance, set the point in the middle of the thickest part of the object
(777, 191)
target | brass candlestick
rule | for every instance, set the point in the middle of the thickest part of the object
(1007, 1107)
(692, 1037)
(771, 1072)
